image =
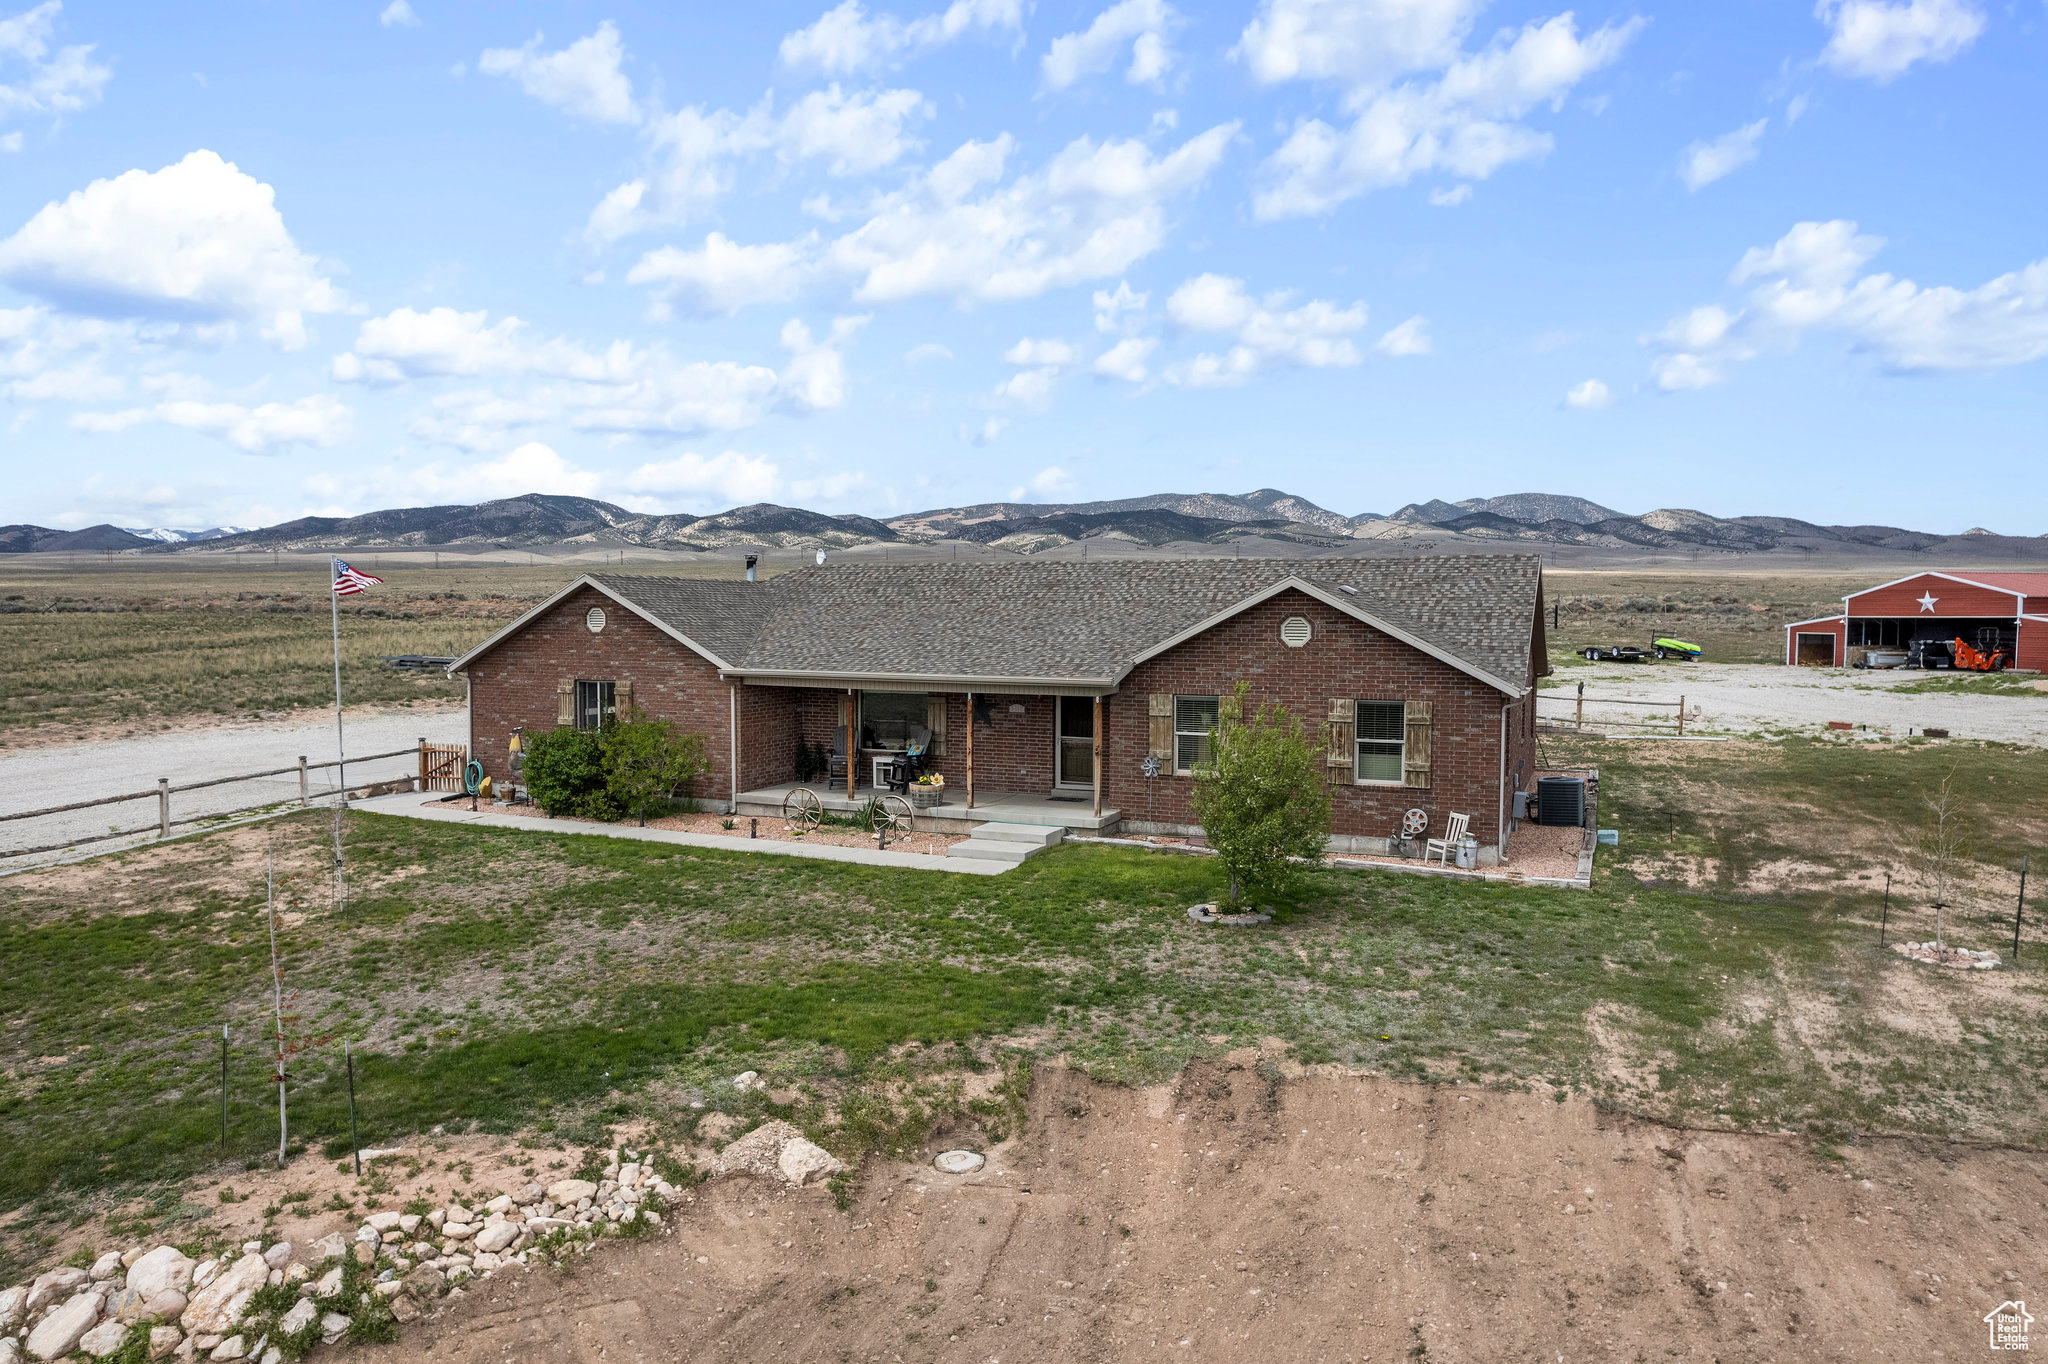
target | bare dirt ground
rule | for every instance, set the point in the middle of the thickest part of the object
(1240, 1215)
(775, 830)
(1739, 698)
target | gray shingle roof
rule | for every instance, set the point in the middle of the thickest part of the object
(1072, 621)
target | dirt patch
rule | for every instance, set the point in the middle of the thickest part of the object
(771, 830)
(1237, 1216)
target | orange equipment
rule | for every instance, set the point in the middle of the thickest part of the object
(1977, 661)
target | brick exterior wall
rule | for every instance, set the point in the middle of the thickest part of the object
(515, 683)
(1343, 659)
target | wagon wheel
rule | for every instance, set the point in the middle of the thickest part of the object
(801, 808)
(896, 813)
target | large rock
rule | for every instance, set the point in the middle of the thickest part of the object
(13, 1306)
(569, 1190)
(103, 1339)
(59, 1333)
(333, 1326)
(164, 1269)
(803, 1163)
(279, 1255)
(497, 1237)
(106, 1267)
(163, 1340)
(54, 1287)
(384, 1221)
(302, 1315)
(759, 1152)
(216, 1308)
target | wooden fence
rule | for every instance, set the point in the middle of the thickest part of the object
(441, 766)
(1576, 720)
(164, 790)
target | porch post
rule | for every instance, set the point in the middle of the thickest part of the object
(1097, 764)
(852, 745)
(970, 750)
(734, 807)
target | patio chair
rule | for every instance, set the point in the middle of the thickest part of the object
(1446, 847)
(835, 767)
(911, 764)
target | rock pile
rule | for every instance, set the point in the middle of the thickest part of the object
(1959, 958)
(267, 1304)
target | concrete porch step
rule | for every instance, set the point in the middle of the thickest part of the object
(977, 850)
(1040, 835)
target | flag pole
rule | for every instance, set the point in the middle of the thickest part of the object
(340, 746)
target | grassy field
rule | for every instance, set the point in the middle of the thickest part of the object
(557, 983)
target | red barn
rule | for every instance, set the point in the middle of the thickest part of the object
(1916, 620)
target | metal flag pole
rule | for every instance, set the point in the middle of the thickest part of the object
(340, 746)
(354, 1145)
(277, 998)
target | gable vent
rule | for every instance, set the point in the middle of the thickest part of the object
(1295, 632)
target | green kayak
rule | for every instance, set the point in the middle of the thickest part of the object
(1678, 648)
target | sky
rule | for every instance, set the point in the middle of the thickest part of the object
(264, 260)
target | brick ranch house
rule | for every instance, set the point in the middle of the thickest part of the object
(1091, 686)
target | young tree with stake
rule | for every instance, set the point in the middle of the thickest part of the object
(1261, 799)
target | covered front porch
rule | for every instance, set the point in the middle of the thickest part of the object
(1074, 812)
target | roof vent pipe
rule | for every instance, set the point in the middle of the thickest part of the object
(753, 567)
(821, 558)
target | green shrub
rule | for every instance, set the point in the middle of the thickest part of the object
(646, 761)
(564, 770)
(1261, 801)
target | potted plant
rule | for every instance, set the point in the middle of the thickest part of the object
(928, 790)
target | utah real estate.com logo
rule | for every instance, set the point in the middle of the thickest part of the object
(2008, 1324)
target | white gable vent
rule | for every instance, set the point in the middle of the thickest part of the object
(594, 618)
(1295, 632)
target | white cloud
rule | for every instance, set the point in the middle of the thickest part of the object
(693, 152)
(1410, 338)
(1317, 335)
(728, 478)
(621, 389)
(195, 243)
(1466, 122)
(725, 276)
(930, 350)
(1811, 280)
(1141, 24)
(398, 14)
(1028, 388)
(1589, 396)
(1126, 359)
(1880, 40)
(264, 430)
(1030, 352)
(55, 81)
(1050, 480)
(1090, 214)
(986, 434)
(1703, 163)
(531, 468)
(49, 357)
(1118, 308)
(1452, 197)
(1355, 42)
(846, 39)
(583, 78)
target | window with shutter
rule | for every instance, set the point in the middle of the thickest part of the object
(565, 701)
(1416, 771)
(624, 693)
(1382, 737)
(1194, 719)
(1159, 726)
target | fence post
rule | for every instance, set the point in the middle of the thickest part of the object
(423, 765)
(163, 807)
(1681, 717)
(2019, 910)
(1579, 719)
(302, 780)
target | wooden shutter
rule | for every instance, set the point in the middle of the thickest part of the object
(1415, 772)
(1341, 755)
(935, 721)
(622, 698)
(1159, 714)
(565, 701)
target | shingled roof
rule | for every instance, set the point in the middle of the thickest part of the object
(1072, 623)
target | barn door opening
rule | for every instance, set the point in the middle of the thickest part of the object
(1816, 651)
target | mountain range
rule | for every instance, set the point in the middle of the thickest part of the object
(1160, 521)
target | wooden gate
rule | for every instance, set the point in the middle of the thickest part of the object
(441, 766)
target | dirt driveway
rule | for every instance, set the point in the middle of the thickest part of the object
(1747, 698)
(1235, 1217)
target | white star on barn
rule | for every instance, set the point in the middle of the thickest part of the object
(1927, 601)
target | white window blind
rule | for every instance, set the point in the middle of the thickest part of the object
(1194, 717)
(1382, 740)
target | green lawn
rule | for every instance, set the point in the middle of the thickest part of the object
(554, 982)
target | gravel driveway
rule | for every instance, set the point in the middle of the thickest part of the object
(37, 778)
(1736, 698)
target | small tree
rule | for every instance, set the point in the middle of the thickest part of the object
(1261, 798)
(645, 760)
(1944, 847)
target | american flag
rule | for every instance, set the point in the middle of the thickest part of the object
(349, 581)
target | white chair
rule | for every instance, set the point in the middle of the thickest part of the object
(1447, 846)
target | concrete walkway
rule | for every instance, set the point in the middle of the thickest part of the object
(414, 806)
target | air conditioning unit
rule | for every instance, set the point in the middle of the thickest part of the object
(1561, 801)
